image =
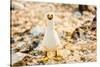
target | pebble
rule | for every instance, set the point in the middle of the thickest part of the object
(16, 57)
(77, 14)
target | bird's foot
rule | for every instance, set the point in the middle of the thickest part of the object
(45, 59)
(58, 58)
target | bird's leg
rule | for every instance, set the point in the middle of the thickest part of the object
(57, 57)
(45, 54)
(45, 57)
(56, 53)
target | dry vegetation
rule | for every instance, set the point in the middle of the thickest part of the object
(75, 25)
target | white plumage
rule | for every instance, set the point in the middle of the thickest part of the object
(51, 41)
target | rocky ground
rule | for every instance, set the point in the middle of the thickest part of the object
(75, 25)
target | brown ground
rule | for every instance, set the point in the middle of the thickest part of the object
(27, 31)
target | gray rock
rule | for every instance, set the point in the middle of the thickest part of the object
(16, 57)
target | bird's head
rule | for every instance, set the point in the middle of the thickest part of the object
(50, 16)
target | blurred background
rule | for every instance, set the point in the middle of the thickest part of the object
(74, 23)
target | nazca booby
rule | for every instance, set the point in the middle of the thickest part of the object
(51, 42)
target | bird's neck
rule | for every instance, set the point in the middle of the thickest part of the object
(50, 25)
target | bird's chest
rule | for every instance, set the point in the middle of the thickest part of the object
(51, 38)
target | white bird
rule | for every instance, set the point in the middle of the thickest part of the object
(51, 41)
